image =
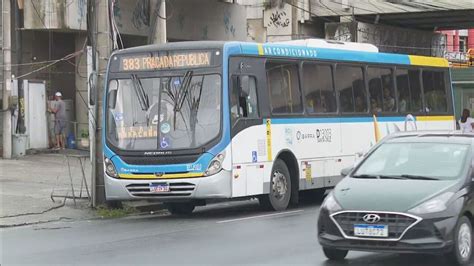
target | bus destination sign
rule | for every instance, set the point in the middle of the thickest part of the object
(147, 62)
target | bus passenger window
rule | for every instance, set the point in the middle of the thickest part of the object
(284, 88)
(409, 91)
(351, 88)
(244, 97)
(319, 89)
(381, 90)
(434, 91)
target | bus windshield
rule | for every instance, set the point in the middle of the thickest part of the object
(163, 113)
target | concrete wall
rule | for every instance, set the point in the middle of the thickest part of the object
(280, 21)
(55, 14)
(389, 39)
(1, 77)
(206, 20)
(81, 95)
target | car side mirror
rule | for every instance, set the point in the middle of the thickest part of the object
(472, 174)
(346, 171)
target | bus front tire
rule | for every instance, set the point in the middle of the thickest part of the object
(180, 208)
(280, 188)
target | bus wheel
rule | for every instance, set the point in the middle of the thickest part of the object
(180, 208)
(280, 188)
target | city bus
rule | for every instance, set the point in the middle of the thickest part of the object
(196, 122)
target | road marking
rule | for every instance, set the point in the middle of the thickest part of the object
(259, 216)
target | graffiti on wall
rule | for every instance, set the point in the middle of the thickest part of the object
(229, 27)
(278, 21)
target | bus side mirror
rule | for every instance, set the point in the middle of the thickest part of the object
(112, 94)
(345, 171)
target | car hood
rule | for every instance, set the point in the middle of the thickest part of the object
(387, 194)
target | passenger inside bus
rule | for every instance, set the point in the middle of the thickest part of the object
(389, 101)
(375, 106)
(359, 104)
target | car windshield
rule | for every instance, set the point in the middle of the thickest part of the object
(423, 161)
(163, 113)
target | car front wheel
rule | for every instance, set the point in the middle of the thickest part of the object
(335, 254)
(462, 251)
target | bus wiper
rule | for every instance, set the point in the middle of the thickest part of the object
(183, 91)
(141, 94)
(418, 177)
(181, 95)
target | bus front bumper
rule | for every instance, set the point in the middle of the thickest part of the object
(217, 186)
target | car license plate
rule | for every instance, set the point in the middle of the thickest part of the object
(371, 230)
(159, 187)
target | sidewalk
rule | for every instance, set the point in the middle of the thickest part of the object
(26, 185)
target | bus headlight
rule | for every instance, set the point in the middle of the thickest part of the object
(216, 164)
(110, 168)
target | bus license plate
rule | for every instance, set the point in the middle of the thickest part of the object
(159, 187)
(371, 230)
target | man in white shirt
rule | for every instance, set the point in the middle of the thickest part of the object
(466, 122)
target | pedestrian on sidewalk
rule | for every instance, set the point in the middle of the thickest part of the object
(59, 110)
(466, 122)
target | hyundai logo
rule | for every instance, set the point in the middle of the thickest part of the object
(159, 174)
(371, 218)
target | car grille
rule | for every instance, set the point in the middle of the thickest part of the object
(176, 189)
(397, 223)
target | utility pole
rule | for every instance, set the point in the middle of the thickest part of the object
(7, 73)
(102, 48)
(158, 21)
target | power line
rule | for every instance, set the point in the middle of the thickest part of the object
(53, 63)
(305, 10)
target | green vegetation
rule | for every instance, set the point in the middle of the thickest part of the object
(105, 212)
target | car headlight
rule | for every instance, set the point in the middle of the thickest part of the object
(216, 164)
(110, 168)
(331, 204)
(436, 204)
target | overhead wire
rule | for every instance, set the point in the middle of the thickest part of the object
(69, 56)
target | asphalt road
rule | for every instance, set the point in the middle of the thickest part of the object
(229, 233)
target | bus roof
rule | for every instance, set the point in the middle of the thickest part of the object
(295, 50)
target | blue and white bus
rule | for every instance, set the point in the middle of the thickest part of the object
(192, 122)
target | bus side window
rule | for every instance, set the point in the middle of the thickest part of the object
(434, 91)
(408, 91)
(351, 88)
(244, 97)
(284, 88)
(318, 88)
(382, 96)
